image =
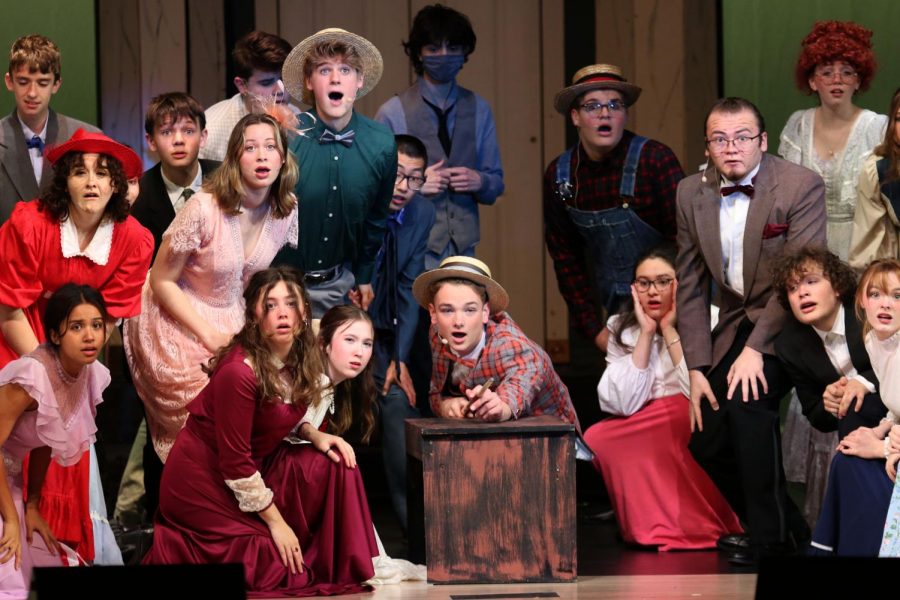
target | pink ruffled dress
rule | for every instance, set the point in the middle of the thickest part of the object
(64, 421)
(165, 358)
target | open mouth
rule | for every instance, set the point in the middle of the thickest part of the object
(806, 307)
(336, 96)
(355, 365)
(262, 172)
(884, 318)
(284, 329)
(604, 129)
(458, 336)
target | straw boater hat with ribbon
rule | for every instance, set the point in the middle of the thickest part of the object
(372, 63)
(97, 143)
(596, 77)
(462, 267)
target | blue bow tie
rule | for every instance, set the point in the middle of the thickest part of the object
(35, 142)
(329, 137)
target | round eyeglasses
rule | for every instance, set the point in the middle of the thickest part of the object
(660, 284)
(742, 143)
(415, 182)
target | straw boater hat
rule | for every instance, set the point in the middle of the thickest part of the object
(97, 143)
(372, 64)
(462, 267)
(596, 77)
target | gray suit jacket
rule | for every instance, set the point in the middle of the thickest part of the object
(17, 180)
(785, 195)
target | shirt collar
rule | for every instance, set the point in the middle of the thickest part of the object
(476, 352)
(320, 125)
(837, 328)
(97, 250)
(171, 188)
(442, 95)
(28, 133)
(747, 180)
(398, 216)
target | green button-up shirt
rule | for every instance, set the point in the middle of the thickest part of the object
(344, 194)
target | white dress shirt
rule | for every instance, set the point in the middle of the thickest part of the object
(733, 211)
(624, 389)
(35, 154)
(886, 364)
(838, 351)
(176, 191)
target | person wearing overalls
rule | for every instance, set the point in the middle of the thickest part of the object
(607, 200)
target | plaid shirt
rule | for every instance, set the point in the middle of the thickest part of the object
(597, 188)
(524, 372)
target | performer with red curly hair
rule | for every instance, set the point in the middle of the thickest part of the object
(833, 139)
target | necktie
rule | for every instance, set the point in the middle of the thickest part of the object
(730, 189)
(186, 194)
(35, 142)
(443, 131)
(329, 137)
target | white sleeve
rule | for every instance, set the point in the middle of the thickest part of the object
(624, 389)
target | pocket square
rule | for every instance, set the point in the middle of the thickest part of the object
(774, 230)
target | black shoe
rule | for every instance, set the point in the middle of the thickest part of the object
(749, 557)
(733, 542)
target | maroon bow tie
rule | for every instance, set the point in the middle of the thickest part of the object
(730, 189)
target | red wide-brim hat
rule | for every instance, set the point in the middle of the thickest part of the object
(97, 143)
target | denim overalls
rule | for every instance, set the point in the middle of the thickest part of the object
(615, 237)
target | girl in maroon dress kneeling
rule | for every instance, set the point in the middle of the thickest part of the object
(299, 521)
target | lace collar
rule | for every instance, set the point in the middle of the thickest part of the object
(97, 250)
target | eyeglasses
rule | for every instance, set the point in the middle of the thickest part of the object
(844, 74)
(660, 284)
(593, 108)
(741, 143)
(415, 182)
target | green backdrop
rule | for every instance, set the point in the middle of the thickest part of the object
(69, 23)
(761, 42)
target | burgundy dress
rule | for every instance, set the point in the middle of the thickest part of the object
(231, 435)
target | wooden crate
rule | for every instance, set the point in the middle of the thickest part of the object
(492, 502)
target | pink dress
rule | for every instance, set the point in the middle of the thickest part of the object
(229, 463)
(64, 421)
(165, 358)
(661, 496)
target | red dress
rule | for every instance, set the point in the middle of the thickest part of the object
(231, 435)
(32, 268)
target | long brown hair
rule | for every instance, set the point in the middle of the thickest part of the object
(304, 359)
(890, 147)
(351, 395)
(227, 184)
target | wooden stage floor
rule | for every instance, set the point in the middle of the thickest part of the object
(616, 587)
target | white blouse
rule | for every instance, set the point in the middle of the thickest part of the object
(886, 364)
(624, 389)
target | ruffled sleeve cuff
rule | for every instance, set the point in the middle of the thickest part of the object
(251, 493)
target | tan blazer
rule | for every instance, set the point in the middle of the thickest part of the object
(785, 195)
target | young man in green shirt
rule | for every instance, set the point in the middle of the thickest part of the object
(349, 164)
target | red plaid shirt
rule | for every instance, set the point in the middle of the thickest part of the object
(598, 184)
(526, 379)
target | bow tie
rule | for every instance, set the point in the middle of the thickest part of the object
(329, 137)
(35, 142)
(730, 189)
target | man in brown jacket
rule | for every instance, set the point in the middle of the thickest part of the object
(745, 210)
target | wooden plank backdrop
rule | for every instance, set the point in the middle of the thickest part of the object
(151, 46)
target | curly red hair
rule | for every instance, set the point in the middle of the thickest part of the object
(836, 40)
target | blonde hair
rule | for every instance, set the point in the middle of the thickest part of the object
(875, 276)
(227, 184)
(324, 52)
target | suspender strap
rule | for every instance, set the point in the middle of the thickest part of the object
(564, 175)
(629, 172)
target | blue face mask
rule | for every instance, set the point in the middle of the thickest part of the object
(443, 68)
